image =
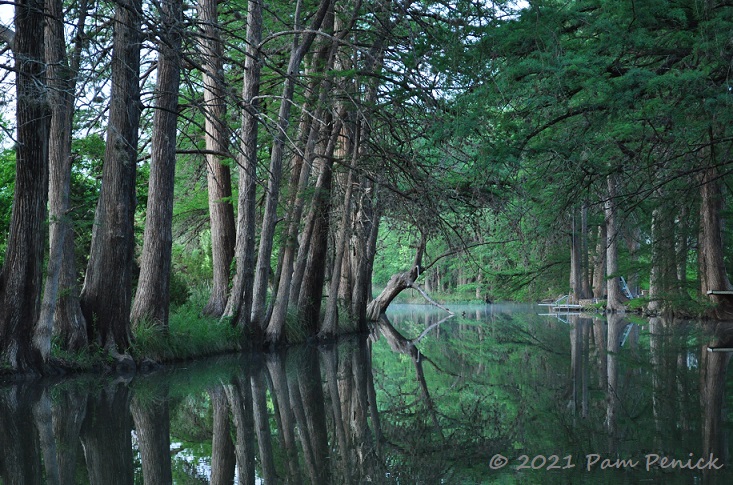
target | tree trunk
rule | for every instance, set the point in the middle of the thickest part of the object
(397, 283)
(576, 266)
(218, 176)
(322, 62)
(585, 253)
(240, 300)
(107, 292)
(599, 270)
(62, 87)
(21, 277)
(330, 320)
(269, 219)
(713, 275)
(314, 267)
(152, 299)
(367, 229)
(614, 300)
(662, 277)
(61, 295)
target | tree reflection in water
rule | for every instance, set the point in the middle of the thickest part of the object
(418, 400)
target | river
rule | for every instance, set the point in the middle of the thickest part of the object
(496, 394)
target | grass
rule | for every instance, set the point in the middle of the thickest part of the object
(188, 335)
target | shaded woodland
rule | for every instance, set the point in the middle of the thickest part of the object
(270, 161)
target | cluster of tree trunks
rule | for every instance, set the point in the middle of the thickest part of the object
(671, 229)
(332, 133)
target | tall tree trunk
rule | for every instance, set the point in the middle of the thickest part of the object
(21, 277)
(218, 176)
(599, 264)
(310, 131)
(584, 252)
(314, 264)
(662, 277)
(576, 266)
(367, 229)
(330, 320)
(107, 292)
(152, 299)
(269, 219)
(62, 87)
(61, 295)
(713, 275)
(314, 241)
(240, 299)
(614, 299)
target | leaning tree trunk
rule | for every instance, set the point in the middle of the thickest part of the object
(22, 273)
(318, 92)
(269, 218)
(221, 211)
(107, 292)
(396, 284)
(313, 266)
(152, 299)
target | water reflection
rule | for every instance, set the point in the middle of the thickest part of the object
(421, 399)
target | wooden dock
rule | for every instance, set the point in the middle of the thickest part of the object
(562, 305)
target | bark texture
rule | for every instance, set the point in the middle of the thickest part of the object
(152, 299)
(713, 276)
(22, 273)
(218, 175)
(272, 194)
(614, 299)
(107, 292)
(239, 305)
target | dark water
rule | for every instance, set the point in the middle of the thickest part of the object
(496, 394)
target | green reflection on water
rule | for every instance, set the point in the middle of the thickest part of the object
(401, 405)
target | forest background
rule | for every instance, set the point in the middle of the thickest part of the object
(258, 166)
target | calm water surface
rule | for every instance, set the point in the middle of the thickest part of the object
(496, 394)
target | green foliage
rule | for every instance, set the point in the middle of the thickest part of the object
(7, 188)
(188, 335)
